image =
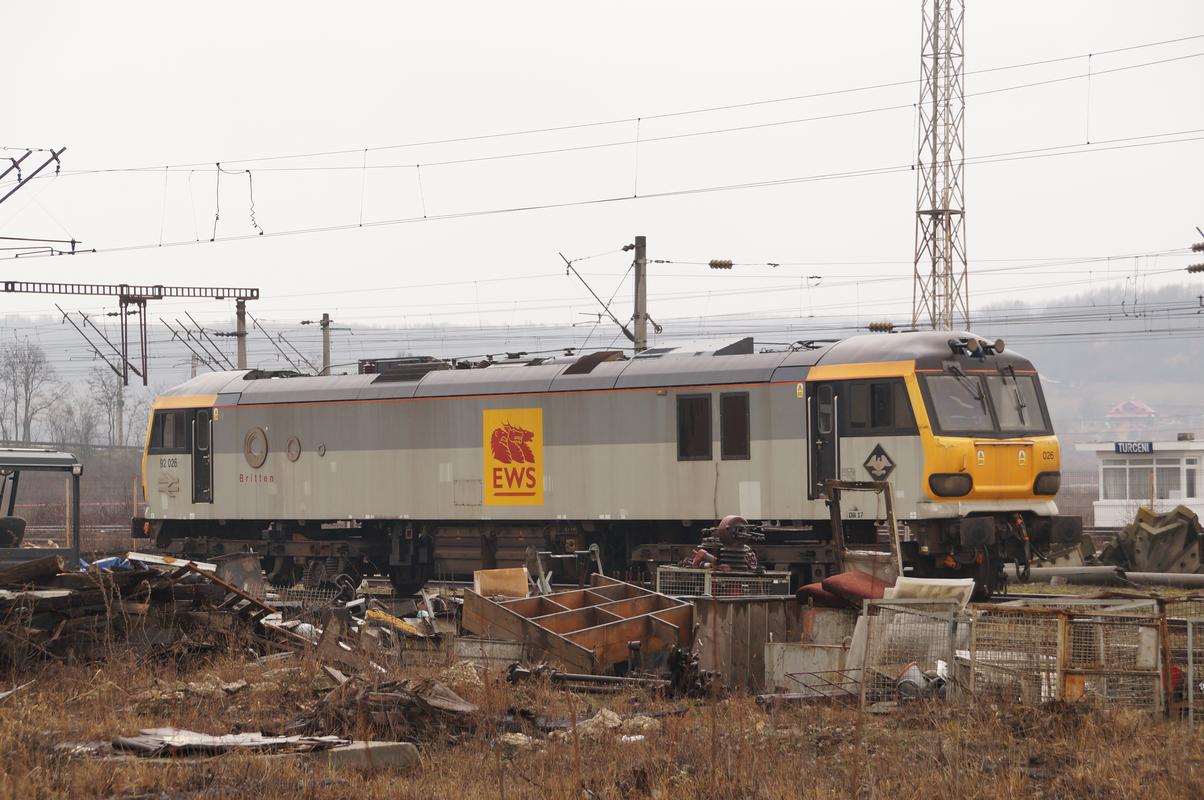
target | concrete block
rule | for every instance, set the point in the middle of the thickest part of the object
(396, 756)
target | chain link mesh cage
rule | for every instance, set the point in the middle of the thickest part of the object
(909, 650)
(1114, 659)
(1185, 642)
(691, 582)
(1013, 655)
(1037, 655)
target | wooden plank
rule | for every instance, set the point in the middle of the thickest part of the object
(742, 635)
(30, 571)
(759, 629)
(229, 587)
(723, 646)
(702, 640)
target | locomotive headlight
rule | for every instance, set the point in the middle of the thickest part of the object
(950, 484)
(1047, 483)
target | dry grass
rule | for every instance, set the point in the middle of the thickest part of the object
(979, 750)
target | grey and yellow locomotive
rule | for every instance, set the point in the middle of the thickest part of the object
(421, 468)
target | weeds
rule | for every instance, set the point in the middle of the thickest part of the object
(976, 750)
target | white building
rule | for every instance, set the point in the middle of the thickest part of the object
(1134, 473)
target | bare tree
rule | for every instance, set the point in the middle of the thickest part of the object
(137, 416)
(106, 392)
(73, 419)
(29, 378)
(6, 393)
(60, 418)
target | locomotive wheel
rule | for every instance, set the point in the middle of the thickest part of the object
(407, 582)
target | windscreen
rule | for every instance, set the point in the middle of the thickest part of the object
(959, 402)
(1002, 403)
(1016, 403)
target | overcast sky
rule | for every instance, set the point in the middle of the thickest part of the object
(125, 85)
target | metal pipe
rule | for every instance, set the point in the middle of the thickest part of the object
(1184, 579)
(564, 677)
(1086, 575)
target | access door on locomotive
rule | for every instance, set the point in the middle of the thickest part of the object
(860, 426)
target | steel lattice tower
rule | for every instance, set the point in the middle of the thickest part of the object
(940, 295)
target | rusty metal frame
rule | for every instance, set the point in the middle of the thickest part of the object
(886, 489)
(589, 629)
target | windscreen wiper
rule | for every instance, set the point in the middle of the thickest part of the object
(971, 385)
(1010, 372)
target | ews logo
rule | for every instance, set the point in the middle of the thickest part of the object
(513, 456)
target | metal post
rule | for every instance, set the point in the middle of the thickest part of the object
(867, 613)
(951, 687)
(119, 412)
(641, 294)
(240, 312)
(325, 344)
(143, 337)
(124, 306)
(893, 523)
(974, 618)
(75, 517)
(1191, 675)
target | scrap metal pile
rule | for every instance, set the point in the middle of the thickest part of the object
(1168, 542)
(1154, 550)
(49, 609)
(156, 605)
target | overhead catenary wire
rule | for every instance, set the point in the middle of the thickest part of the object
(637, 141)
(663, 115)
(832, 280)
(1123, 143)
(822, 327)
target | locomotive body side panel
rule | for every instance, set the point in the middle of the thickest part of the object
(609, 455)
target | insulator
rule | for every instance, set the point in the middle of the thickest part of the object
(881, 327)
(1196, 268)
(1198, 247)
(721, 263)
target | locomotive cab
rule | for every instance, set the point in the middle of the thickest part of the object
(992, 466)
(179, 455)
(963, 434)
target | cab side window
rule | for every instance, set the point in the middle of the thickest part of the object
(169, 432)
(876, 408)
